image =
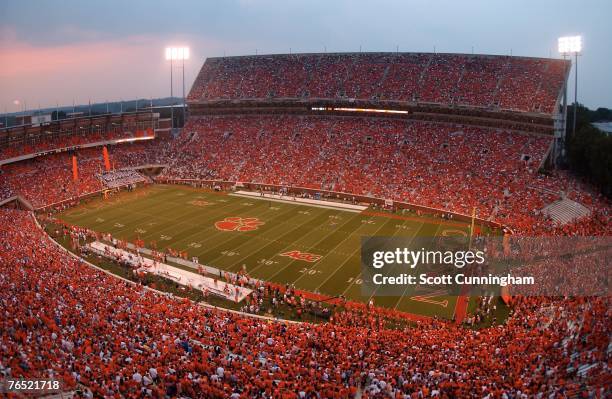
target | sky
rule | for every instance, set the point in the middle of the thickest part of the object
(60, 51)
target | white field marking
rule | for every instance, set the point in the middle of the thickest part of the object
(314, 246)
(194, 245)
(119, 225)
(337, 245)
(99, 220)
(310, 272)
(405, 289)
(427, 298)
(258, 237)
(293, 244)
(140, 231)
(274, 208)
(335, 208)
(349, 256)
(274, 226)
(453, 232)
(230, 253)
(247, 203)
(267, 262)
(410, 242)
(177, 222)
(357, 278)
(214, 234)
(164, 237)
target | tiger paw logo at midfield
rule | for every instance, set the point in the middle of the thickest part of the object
(299, 255)
(237, 223)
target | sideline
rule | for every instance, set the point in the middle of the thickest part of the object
(288, 199)
(166, 294)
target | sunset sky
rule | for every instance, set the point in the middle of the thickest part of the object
(59, 51)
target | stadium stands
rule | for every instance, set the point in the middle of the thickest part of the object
(48, 179)
(63, 318)
(437, 165)
(120, 178)
(59, 142)
(77, 323)
(511, 83)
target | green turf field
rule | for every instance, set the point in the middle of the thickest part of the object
(184, 218)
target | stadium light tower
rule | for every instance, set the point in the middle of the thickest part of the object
(569, 45)
(179, 54)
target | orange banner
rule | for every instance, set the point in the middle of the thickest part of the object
(106, 160)
(75, 170)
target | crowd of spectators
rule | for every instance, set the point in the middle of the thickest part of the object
(119, 178)
(514, 83)
(443, 166)
(51, 142)
(48, 179)
(63, 319)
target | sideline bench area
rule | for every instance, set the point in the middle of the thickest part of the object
(228, 291)
(298, 200)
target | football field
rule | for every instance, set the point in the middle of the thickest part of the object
(315, 248)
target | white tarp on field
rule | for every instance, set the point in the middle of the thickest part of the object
(301, 201)
(229, 291)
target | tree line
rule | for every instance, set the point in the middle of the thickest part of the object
(589, 151)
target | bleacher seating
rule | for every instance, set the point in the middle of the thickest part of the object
(63, 318)
(120, 178)
(566, 211)
(511, 83)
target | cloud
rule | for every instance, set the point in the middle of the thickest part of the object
(99, 70)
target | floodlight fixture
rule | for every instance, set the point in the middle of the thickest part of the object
(570, 44)
(177, 53)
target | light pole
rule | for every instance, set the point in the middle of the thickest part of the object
(182, 54)
(569, 45)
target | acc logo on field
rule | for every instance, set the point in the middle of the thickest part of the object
(305, 256)
(236, 223)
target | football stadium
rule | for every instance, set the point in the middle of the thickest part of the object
(217, 247)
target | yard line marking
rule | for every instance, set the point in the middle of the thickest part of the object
(126, 215)
(217, 211)
(215, 232)
(305, 235)
(360, 275)
(287, 244)
(410, 242)
(278, 225)
(346, 238)
(435, 237)
(348, 257)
